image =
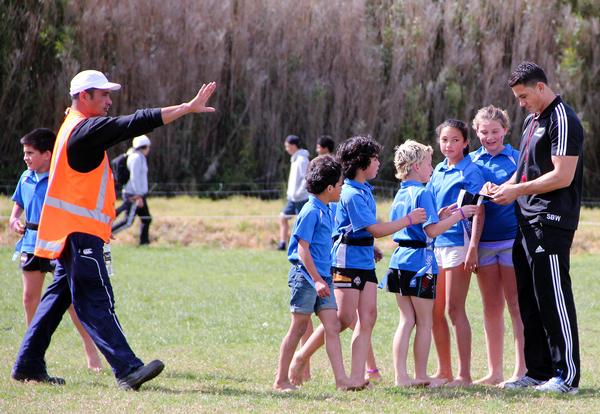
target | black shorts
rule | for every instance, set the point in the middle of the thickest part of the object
(405, 283)
(31, 263)
(352, 278)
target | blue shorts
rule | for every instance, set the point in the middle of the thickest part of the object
(496, 252)
(292, 208)
(304, 298)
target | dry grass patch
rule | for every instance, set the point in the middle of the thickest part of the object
(245, 222)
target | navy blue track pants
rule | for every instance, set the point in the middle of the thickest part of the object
(80, 278)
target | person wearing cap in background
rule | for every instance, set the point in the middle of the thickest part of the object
(134, 192)
(76, 222)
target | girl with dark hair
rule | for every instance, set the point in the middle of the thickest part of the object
(455, 250)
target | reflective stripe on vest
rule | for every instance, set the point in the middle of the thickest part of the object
(85, 204)
(82, 211)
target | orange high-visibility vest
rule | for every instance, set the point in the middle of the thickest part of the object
(75, 201)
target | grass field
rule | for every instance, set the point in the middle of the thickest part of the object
(216, 317)
(216, 313)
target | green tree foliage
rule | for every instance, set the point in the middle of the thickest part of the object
(391, 68)
(33, 40)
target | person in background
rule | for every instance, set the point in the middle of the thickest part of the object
(296, 189)
(325, 145)
(136, 189)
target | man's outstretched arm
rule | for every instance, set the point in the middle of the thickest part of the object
(196, 105)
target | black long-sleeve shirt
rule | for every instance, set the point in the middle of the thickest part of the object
(93, 136)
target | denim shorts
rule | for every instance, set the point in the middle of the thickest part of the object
(304, 298)
(496, 252)
(292, 208)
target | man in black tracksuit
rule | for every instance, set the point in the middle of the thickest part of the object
(547, 187)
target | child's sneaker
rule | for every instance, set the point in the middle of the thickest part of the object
(557, 385)
(523, 382)
(281, 245)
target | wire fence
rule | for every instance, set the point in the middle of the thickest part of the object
(266, 191)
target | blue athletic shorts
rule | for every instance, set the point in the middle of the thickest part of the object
(496, 252)
(304, 298)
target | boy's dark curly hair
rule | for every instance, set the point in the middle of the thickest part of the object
(355, 153)
(323, 171)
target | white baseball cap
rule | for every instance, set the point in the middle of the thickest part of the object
(141, 141)
(91, 79)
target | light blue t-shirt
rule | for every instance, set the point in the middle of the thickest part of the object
(445, 185)
(412, 195)
(356, 211)
(30, 195)
(314, 224)
(500, 221)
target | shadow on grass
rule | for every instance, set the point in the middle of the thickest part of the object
(511, 396)
(206, 376)
(212, 383)
(226, 391)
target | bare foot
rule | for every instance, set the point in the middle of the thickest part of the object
(348, 385)
(374, 377)
(437, 382)
(442, 376)
(306, 376)
(359, 387)
(296, 370)
(284, 386)
(404, 382)
(459, 382)
(94, 363)
(427, 381)
(488, 380)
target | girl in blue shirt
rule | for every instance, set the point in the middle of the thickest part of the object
(456, 250)
(496, 274)
(413, 270)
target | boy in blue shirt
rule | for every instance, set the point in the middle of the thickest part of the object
(310, 274)
(354, 252)
(29, 197)
(413, 270)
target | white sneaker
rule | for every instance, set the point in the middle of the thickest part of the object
(523, 382)
(557, 385)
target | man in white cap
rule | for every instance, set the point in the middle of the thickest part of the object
(76, 222)
(136, 189)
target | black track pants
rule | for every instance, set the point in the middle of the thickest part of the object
(541, 260)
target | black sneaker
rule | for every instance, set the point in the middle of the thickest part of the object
(144, 373)
(43, 378)
(281, 245)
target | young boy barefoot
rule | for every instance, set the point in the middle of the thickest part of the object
(29, 197)
(354, 253)
(413, 270)
(310, 277)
